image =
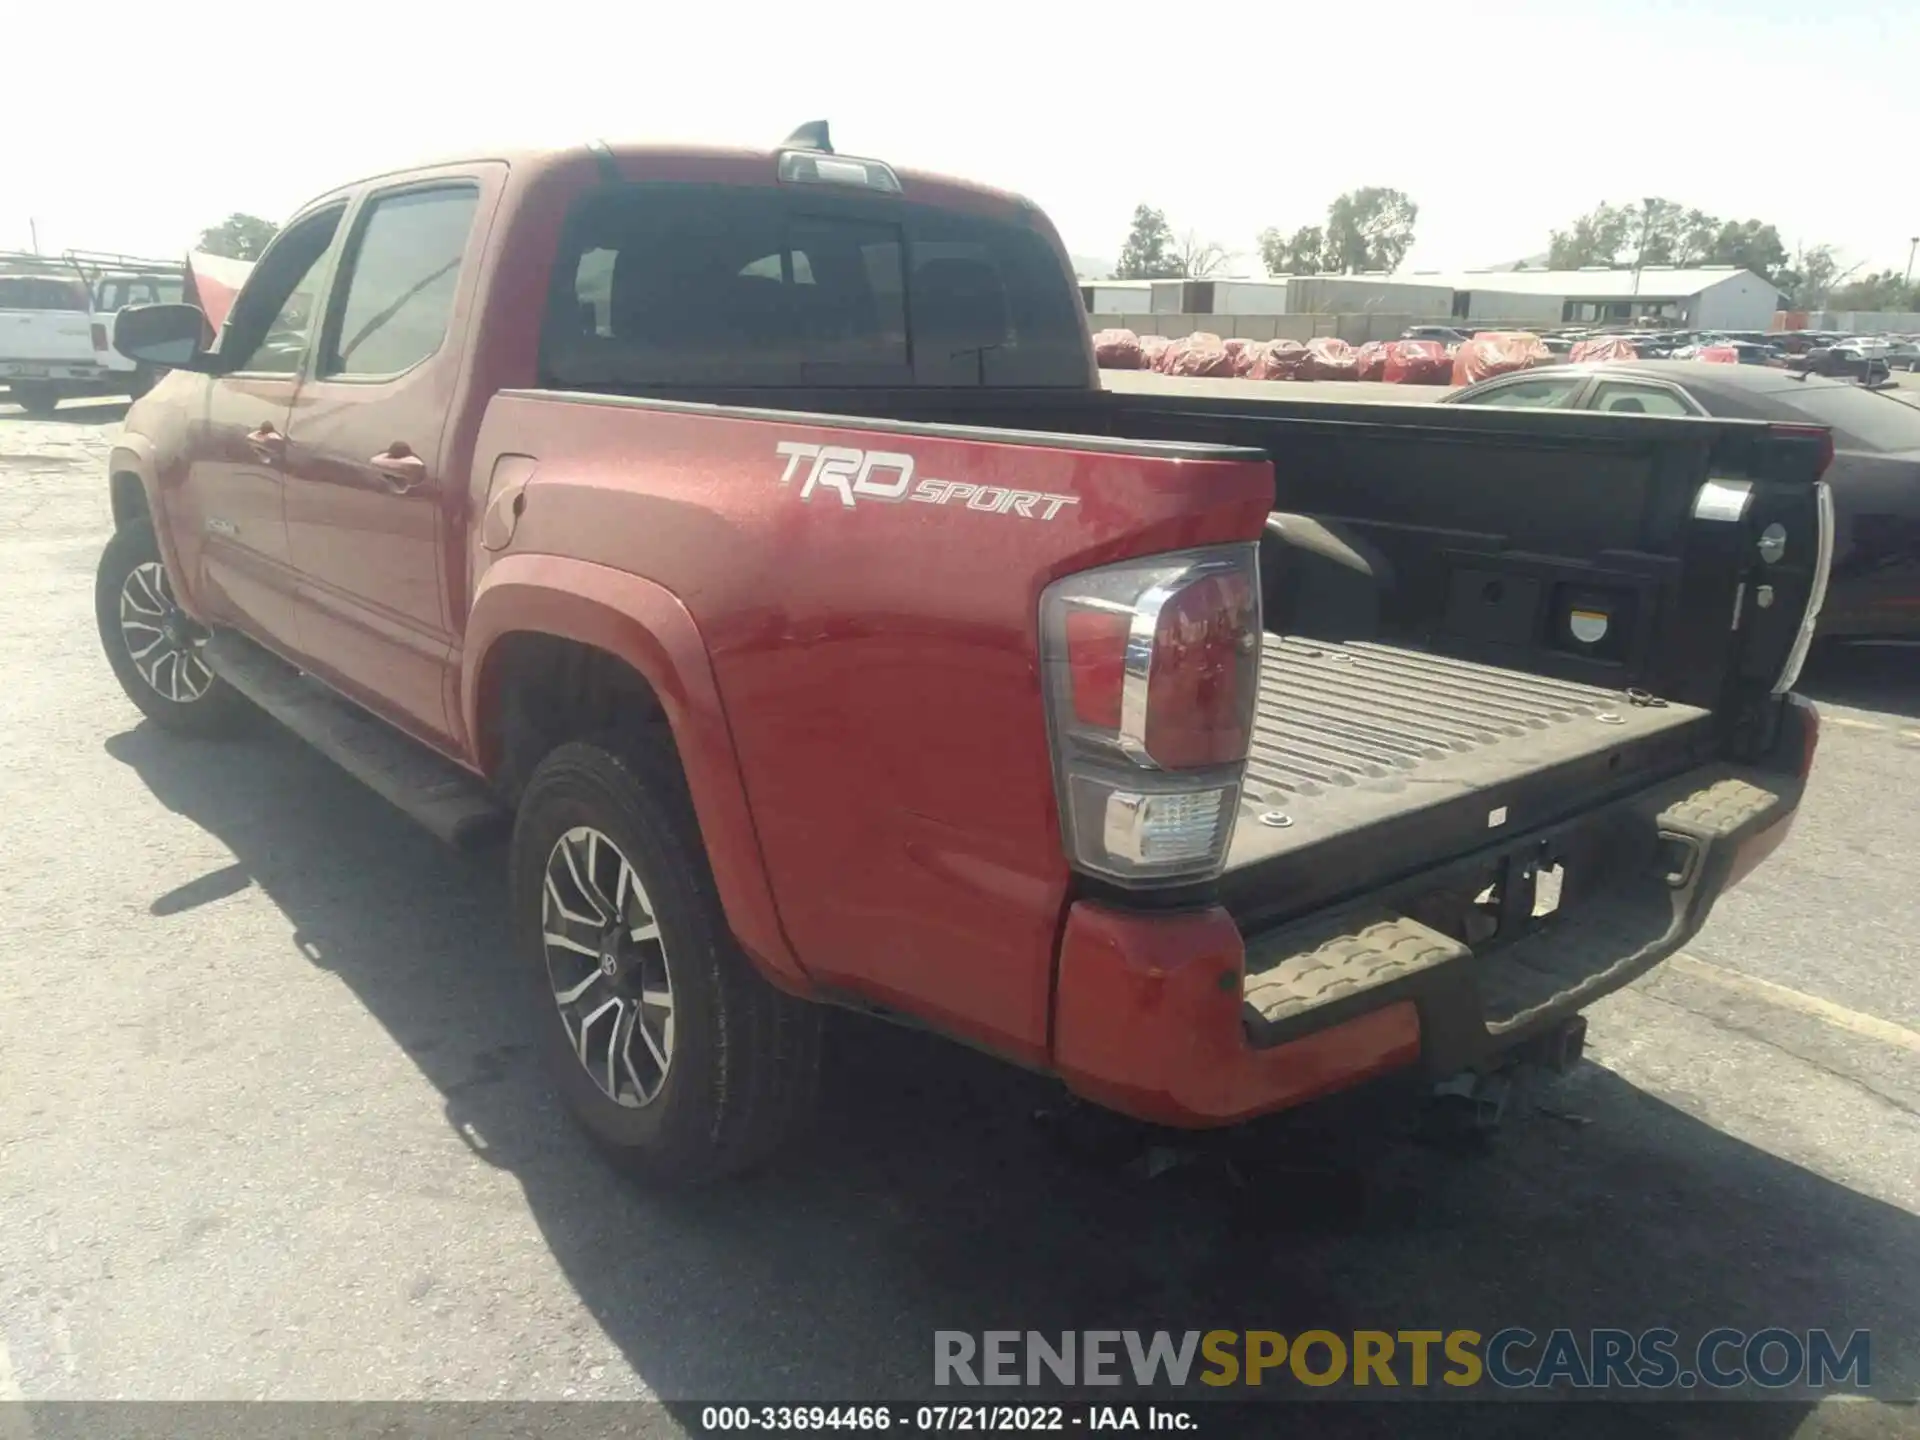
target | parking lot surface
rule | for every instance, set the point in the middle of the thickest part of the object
(270, 1126)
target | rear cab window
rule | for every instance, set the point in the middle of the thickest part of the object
(659, 285)
(35, 292)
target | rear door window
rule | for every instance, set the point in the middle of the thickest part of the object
(1624, 397)
(1535, 393)
(662, 285)
(401, 273)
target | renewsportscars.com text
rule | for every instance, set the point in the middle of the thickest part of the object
(1509, 1359)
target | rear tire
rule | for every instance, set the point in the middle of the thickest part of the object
(616, 916)
(141, 625)
(36, 397)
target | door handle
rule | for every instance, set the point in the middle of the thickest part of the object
(266, 442)
(399, 469)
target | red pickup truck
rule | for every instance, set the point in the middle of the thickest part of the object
(750, 534)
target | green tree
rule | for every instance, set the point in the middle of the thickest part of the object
(1672, 234)
(1367, 229)
(1882, 290)
(1595, 238)
(239, 237)
(1751, 246)
(1301, 253)
(1810, 278)
(1150, 252)
(1370, 229)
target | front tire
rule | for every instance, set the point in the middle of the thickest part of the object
(36, 397)
(664, 1041)
(153, 646)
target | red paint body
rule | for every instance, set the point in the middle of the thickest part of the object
(853, 690)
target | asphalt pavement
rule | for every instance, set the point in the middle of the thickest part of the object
(270, 1126)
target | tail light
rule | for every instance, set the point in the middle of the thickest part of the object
(1152, 670)
(100, 338)
(1815, 432)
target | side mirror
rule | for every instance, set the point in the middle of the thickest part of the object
(167, 335)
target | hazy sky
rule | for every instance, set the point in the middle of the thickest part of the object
(1502, 118)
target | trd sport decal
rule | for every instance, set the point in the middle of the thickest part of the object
(887, 476)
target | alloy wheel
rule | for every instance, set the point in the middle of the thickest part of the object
(607, 966)
(162, 640)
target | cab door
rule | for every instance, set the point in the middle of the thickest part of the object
(370, 504)
(235, 525)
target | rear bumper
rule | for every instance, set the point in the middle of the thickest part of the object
(1183, 1020)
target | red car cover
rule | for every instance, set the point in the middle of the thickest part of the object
(1718, 355)
(1199, 354)
(1603, 347)
(1417, 362)
(1153, 349)
(1241, 354)
(1117, 350)
(1276, 360)
(1498, 352)
(1329, 358)
(1371, 358)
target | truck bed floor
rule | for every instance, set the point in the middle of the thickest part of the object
(1352, 734)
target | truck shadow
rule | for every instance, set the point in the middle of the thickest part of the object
(931, 1198)
(1866, 677)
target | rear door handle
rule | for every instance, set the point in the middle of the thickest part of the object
(266, 442)
(399, 468)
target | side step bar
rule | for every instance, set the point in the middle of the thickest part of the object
(453, 804)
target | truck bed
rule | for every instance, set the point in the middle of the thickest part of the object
(1356, 735)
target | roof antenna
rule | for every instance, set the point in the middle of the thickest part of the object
(811, 136)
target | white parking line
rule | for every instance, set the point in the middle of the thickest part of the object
(1850, 723)
(1871, 1027)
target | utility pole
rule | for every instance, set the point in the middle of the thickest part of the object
(1640, 256)
(1912, 245)
(33, 229)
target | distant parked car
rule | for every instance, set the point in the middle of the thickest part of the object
(1843, 362)
(1874, 594)
(1445, 334)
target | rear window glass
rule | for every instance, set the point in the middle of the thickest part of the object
(1861, 419)
(33, 292)
(665, 285)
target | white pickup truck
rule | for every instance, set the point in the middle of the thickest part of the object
(56, 323)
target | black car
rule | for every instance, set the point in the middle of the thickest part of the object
(1874, 593)
(1842, 362)
(1445, 334)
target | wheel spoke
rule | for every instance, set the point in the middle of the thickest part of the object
(574, 992)
(159, 637)
(144, 577)
(568, 943)
(199, 676)
(585, 891)
(617, 1047)
(646, 930)
(572, 917)
(620, 888)
(586, 1023)
(658, 997)
(653, 1049)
